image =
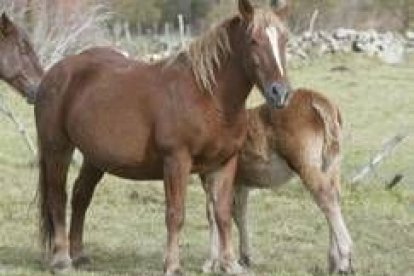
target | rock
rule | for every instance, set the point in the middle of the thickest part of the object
(393, 54)
(342, 33)
(389, 46)
(307, 36)
(409, 35)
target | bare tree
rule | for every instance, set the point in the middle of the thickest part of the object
(57, 31)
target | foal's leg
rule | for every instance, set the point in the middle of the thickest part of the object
(239, 215)
(82, 193)
(53, 168)
(341, 240)
(176, 172)
(211, 264)
(325, 191)
(221, 184)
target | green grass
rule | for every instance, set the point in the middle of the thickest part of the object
(125, 231)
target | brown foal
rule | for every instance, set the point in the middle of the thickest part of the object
(164, 120)
(302, 139)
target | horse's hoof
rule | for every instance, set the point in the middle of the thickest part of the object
(60, 263)
(211, 266)
(343, 271)
(349, 271)
(81, 260)
(344, 268)
(61, 266)
(233, 268)
(174, 272)
(245, 261)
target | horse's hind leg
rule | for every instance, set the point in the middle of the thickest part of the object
(53, 168)
(83, 189)
(339, 260)
(220, 183)
(325, 191)
(211, 264)
(239, 213)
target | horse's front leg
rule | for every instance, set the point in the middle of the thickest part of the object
(220, 185)
(176, 172)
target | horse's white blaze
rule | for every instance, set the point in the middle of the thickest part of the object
(273, 35)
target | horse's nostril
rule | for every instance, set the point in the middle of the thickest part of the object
(275, 91)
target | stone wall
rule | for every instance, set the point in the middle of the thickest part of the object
(390, 47)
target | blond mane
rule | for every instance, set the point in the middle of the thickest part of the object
(264, 18)
(208, 52)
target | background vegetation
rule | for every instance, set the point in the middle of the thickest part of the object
(334, 13)
(61, 27)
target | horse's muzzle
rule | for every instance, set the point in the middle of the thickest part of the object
(278, 94)
(31, 94)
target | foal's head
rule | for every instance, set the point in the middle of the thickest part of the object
(264, 49)
(19, 65)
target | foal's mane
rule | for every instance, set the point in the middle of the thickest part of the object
(208, 52)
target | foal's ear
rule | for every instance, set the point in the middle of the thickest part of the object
(6, 24)
(281, 8)
(246, 10)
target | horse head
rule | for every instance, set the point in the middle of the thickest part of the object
(19, 64)
(264, 48)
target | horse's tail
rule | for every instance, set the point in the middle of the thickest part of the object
(45, 220)
(332, 126)
(43, 125)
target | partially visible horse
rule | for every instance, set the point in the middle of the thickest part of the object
(19, 64)
(302, 139)
(181, 115)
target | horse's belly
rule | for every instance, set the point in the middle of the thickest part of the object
(130, 164)
(264, 173)
(142, 172)
(136, 156)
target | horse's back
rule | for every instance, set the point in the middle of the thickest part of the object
(106, 54)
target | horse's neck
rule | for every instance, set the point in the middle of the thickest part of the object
(233, 86)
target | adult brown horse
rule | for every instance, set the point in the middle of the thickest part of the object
(302, 139)
(163, 120)
(19, 64)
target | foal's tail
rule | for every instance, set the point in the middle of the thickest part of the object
(332, 126)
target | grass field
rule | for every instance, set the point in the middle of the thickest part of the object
(125, 231)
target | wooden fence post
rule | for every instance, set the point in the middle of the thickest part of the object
(409, 8)
(181, 26)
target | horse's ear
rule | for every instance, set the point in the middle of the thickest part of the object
(246, 10)
(281, 8)
(5, 24)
